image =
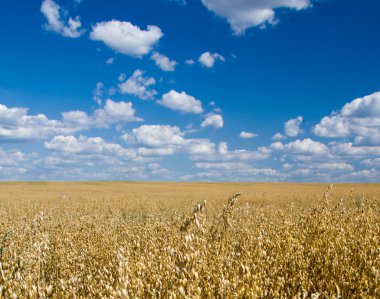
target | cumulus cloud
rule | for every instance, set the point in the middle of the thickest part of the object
(348, 149)
(232, 171)
(163, 62)
(200, 147)
(114, 113)
(17, 125)
(293, 126)
(138, 85)
(243, 14)
(224, 154)
(57, 22)
(126, 38)
(15, 159)
(359, 119)
(181, 102)
(247, 135)
(76, 119)
(156, 135)
(222, 165)
(213, 120)
(165, 140)
(278, 136)
(208, 59)
(306, 146)
(87, 145)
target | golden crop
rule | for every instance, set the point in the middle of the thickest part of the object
(152, 240)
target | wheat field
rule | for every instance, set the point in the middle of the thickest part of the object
(171, 240)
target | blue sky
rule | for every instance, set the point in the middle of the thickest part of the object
(196, 90)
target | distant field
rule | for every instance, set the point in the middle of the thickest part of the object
(127, 240)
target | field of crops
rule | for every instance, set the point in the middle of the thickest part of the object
(163, 240)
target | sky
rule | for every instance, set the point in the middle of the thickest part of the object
(195, 90)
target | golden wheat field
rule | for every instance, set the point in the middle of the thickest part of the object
(167, 240)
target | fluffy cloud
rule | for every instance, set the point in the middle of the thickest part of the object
(222, 165)
(213, 120)
(165, 140)
(200, 147)
(232, 171)
(319, 166)
(163, 62)
(138, 85)
(126, 38)
(278, 136)
(292, 127)
(156, 136)
(243, 14)
(56, 22)
(306, 147)
(359, 119)
(76, 119)
(347, 149)
(114, 113)
(224, 154)
(181, 102)
(208, 59)
(247, 135)
(88, 145)
(17, 125)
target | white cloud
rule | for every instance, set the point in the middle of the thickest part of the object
(292, 127)
(98, 93)
(200, 147)
(138, 85)
(305, 146)
(76, 119)
(17, 125)
(372, 162)
(223, 154)
(213, 120)
(156, 136)
(247, 135)
(163, 62)
(181, 102)
(243, 14)
(110, 60)
(54, 15)
(83, 145)
(278, 136)
(114, 113)
(347, 149)
(359, 119)
(163, 151)
(232, 171)
(190, 62)
(332, 126)
(208, 59)
(222, 165)
(126, 38)
(319, 166)
(165, 140)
